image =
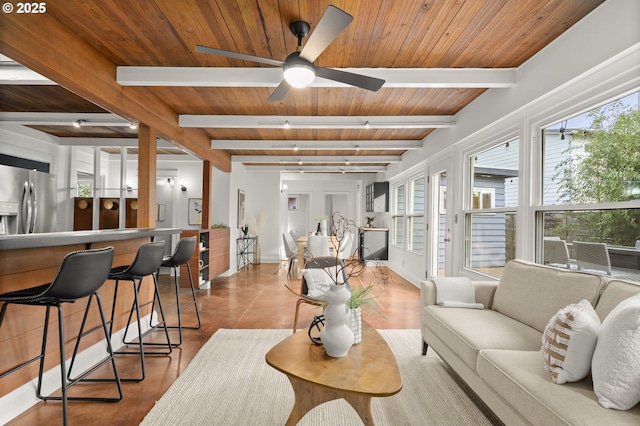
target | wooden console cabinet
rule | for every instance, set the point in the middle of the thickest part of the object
(212, 249)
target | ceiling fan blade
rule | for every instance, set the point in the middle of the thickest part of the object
(358, 80)
(331, 24)
(281, 90)
(236, 55)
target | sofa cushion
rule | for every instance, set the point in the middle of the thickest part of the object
(615, 291)
(467, 331)
(568, 342)
(532, 293)
(520, 379)
(616, 361)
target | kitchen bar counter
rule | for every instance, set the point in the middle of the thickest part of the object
(49, 239)
(33, 259)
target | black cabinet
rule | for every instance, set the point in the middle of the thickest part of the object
(377, 197)
(373, 244)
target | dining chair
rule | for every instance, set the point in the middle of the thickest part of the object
(346, 246)
(317, 246)
(303, 292)
(290, 249)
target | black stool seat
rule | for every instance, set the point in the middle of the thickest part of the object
(80, 275)
(181, 256)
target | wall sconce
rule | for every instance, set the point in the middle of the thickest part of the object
(170, 182)
(183, 187)
(284, 188)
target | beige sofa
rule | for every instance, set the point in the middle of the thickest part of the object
(496, 350)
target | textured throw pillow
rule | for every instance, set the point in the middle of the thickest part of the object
(568, 342)
(318, 281)
(616, 360)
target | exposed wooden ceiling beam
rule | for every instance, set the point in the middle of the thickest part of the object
(43, 44)
(316, 122)
(288, 145)
(337, 159)
(271, 77)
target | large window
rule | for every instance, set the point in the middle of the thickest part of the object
(415, 215)
(491, 212)
(397, 216)
(591, 188)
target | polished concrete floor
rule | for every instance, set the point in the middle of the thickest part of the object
(251, 298)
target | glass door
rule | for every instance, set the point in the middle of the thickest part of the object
(439, 259)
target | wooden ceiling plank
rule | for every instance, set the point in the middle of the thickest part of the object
(43, 44)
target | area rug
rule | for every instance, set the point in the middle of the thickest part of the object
(228, 382)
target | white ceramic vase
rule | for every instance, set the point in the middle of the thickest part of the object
(336, 336)
(355, 324)
(324, 227)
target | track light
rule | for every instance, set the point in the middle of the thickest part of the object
(78, 123)
(367, 125)
(357, 148)
(295, 147)
(133, 126)
(286, 124)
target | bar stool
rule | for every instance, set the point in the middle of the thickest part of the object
(146, 263)
(80, 274)
(181, 256)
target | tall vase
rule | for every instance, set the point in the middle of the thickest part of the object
(336, 336)
(324, 227)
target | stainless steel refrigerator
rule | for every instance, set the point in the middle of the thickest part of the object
(27, 201)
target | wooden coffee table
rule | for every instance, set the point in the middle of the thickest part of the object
(369, 370)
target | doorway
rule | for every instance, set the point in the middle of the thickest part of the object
(336, 203)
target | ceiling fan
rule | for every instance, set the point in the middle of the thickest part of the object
(299, 70)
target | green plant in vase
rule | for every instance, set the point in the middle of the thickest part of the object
(370, 220)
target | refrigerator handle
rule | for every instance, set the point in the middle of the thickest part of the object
(25, 210)
(34, 208)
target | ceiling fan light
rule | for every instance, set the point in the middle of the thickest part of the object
(299, 74)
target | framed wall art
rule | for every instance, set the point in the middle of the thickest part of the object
(292, 203)
(195, 211)
(241, 200)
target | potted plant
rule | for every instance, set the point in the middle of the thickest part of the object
(370, 220)
(360, 297)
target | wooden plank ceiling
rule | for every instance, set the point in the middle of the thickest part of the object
(384, 34)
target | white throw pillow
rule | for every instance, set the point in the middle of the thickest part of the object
(568, 342)
(318, 282)
(616, 360)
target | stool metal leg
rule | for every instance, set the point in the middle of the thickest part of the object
(111, 357)
(180, 308)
